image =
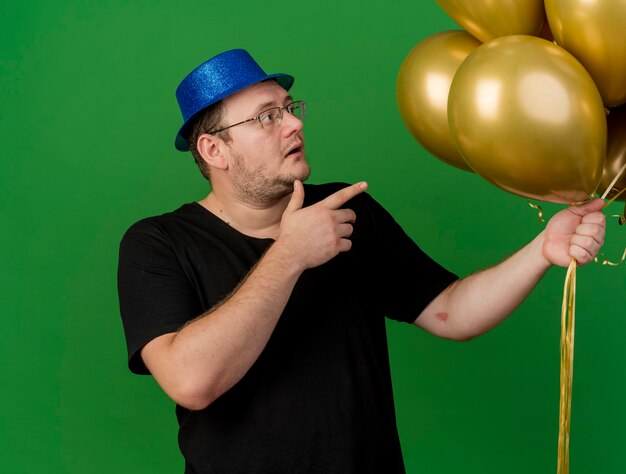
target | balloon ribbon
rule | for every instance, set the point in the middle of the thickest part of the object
(610, 186)
(539, 209)
(567, 366)
(606, 261)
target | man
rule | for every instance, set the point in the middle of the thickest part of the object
(260, 309)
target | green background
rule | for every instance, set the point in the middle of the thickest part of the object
(88, 123)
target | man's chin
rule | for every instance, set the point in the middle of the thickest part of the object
(306, 172)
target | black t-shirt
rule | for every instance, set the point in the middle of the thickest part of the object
(319, 397)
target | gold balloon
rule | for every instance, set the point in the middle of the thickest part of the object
(489, 19)
(594, 31)
(528, 118)
(615, 153)
(422, 90)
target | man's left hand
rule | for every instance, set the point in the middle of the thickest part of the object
(576, 232)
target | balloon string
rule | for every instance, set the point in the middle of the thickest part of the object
(568, 312)
(613, 198)
(621, 221)
(540, 213)
(610, 186)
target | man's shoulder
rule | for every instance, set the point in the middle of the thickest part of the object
(156, 226)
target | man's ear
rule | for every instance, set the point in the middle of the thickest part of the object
(211, 149)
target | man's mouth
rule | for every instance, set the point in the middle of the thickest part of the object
(297, 148)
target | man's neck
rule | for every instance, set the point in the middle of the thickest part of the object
(255, 220)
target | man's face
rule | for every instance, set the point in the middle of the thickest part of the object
(263, 162)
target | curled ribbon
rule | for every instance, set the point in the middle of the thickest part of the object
(539, 208)
(621, 220)
(606, 261)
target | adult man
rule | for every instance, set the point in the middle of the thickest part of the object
(260, 309)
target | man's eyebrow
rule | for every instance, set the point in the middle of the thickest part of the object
(266, 105)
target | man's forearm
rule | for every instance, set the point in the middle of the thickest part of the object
(212, 353)
(474, 305)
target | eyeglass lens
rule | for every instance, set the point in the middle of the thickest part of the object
(275, 115)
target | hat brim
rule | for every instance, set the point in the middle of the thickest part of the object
(284, 80)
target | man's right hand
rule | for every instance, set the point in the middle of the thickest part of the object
(313, 235)
(205, 358)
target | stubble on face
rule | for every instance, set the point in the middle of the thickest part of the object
(254, 185)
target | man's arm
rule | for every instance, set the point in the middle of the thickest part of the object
(474, 305)
(197, 364)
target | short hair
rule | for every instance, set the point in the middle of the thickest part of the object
(208, 120)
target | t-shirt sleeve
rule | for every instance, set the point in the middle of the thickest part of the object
(155, 296)
(408, 278)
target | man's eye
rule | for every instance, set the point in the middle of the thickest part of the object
(266, 117)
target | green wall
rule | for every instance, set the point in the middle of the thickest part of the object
(88, 122)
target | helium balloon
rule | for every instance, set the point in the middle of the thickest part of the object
(528, 118)
(595, 33)
(422, 90)
(615, 153)
(489, 19)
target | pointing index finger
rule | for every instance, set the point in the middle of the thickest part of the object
(339, 198)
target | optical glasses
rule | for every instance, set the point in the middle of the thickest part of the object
(272, 117)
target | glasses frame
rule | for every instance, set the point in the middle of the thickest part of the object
(299, 103)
